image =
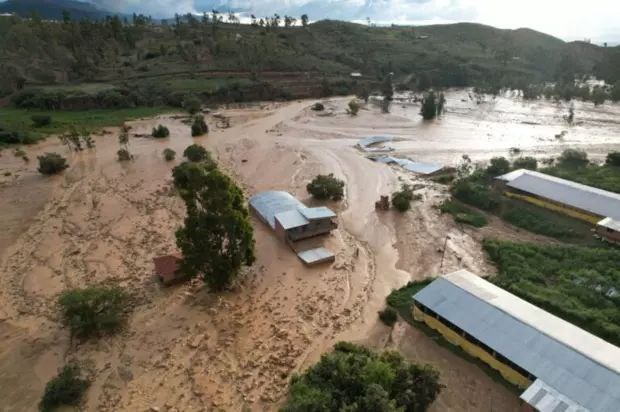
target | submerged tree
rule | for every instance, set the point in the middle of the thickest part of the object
(387, 90)
(433, 105)
(123, 140)
(217, 239)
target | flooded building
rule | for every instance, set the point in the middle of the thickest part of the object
(292, 221)
(609, 230)
(570, 198)
(560, 366)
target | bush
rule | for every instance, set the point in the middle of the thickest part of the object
(66, 388)
(93, 310)
(318, 107)
(160, 131)
(196, 153)
(389, 316)
(354, 108)
(199, 127)
(169, 155)
(528, 162)
(52, 163)
(326, 187)
(401, 200)
(475, 193)
(613, 159)
(40, 120)
(192, 105)
(573, 159)
(124, 155)
(498, 166)
(432, 105)
(353, 378)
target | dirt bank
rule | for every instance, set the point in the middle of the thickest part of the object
(184, 349)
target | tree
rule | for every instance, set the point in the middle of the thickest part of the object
(123, 140)
(433, 105)
(573, 159)
(93, 310)
(387, 90)
(615, 92)
(325, 187)
(199, 127)
(169, 154)
(304, 20)
(528, 162)
(160, 131)
(196, 153)
(613, 159)
(401, 199)
(190, 177)
(388, 316)
(599, 96)
(318, 107)
(52, 163)
(353, 378)
(498, 166)
(66, 388)
(571, 114)
(354, 108)
(217, 238)
(192, 105)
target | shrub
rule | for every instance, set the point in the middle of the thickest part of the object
(475, 193)
(93, 310)
(195, 153)
(124, 155)
(326, 187)
(613, 159)
(318, 107)
(169, 154)
(573, 159)
(401, 200)
(528, 162)
(160, 131)
(199, 127)
(192, 105)
(353, 378)
(498, 166)
(354, 108)
(40, 120)
(432, 105)
(389, 316)
(52, 163)
(66, 388)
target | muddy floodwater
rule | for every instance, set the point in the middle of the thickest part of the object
(102, 222)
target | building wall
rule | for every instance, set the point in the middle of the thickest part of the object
(557, 207)
(609, 235)
(314, 228)
(453, 337)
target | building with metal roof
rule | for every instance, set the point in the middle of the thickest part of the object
(293, 221)
(422, 168)
(578, 200)
(563, 367)
(371, 144)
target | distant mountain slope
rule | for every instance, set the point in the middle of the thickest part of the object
(52, 9)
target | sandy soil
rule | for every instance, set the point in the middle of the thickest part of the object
(185, 349)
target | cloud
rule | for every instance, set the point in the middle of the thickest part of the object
(155, 8)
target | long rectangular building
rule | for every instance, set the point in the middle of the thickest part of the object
(562, 367)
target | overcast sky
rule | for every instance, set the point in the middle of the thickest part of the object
(598, 20)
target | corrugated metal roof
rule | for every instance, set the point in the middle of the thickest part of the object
(610, 224)
(314, 256)
(312, 213)
(270, 203)
(590, 199)
(291, 219)
(577, 364)
(546, 399)
(369, 141)
(422, 168)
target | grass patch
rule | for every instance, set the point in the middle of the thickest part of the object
(604, 177)
(401, 299)
(91, 120)
(578, 284)
(463, 214)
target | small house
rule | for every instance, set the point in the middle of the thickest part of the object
(167, 269)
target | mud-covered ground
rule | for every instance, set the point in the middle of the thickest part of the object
(184, 349)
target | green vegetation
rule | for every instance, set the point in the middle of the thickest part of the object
(93, 310)
(67, 388)
(388, 316)
(578, 284)
(192, 105)
(20, 121)
(401, 299)
(433, 105)
(401, 200)
(169, 154)
(353, 378)
(196, 153)
(527, 162)
(325, 187)
(52, 163)
(160, 131)
(354, 108)
(463, 214)
(574, 165)
(217, 238)
(318, 107)
(123, 155)
(40, 120)
(199, 127)
(498, 166)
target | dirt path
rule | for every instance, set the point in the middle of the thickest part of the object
(184, 349)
